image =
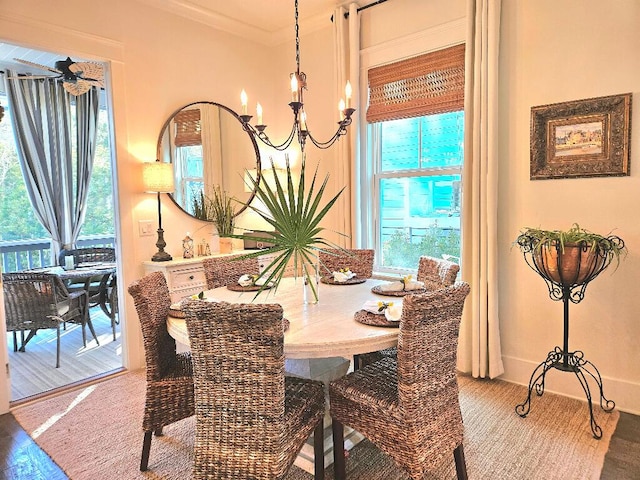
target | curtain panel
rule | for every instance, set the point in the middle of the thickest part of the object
(479, 350)
(56, 174)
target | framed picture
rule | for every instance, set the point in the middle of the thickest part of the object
(582, 138)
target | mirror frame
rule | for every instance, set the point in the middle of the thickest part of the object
(251, 138)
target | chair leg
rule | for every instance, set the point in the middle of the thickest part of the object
(146, 448)
(339, 467)
(461, 466)
(158, 432)
(318, 451)
(93, 332)
(58, 347)
(15, 341)
(356, 362)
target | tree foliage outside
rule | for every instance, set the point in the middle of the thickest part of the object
(400, 251)
(17, 218)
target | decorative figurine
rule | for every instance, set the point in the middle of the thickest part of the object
(187, 247)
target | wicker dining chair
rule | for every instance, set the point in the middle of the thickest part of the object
(221, 271)
(436, 273)
(169, 395)
(358, 260)
(35, 301)
(251, 419)
(409, 407)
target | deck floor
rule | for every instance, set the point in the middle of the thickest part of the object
(34, 371)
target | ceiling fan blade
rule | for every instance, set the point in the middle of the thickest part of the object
(37, 65)
(88, 71)
(77, 88)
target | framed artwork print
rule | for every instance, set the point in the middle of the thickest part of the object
(581, 138)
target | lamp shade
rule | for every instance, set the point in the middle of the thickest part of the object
(157, 177)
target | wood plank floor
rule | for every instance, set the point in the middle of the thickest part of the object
(33, 371)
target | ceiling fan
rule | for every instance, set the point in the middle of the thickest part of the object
(77, 77)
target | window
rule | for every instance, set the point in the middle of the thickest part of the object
(417, 171)
(415, 154)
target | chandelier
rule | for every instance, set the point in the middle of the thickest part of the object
(300, 129)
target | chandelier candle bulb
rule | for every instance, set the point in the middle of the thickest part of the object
(294, 87)
(244, 100)
(348, 91)
(303, 121)
(341, 108)
(259, 112)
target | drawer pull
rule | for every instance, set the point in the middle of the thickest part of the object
(191, 277)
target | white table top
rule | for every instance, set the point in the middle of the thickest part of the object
(322, 330)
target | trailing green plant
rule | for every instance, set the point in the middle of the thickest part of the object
(533, 239)
(217, 208)
(295, 215)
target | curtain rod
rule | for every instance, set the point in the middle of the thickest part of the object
(377, 2)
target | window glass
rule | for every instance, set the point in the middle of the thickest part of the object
(417, 180)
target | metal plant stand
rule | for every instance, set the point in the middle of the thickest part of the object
(567, 270)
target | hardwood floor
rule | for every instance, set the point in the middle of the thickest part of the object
(33, 371)
(22, 459)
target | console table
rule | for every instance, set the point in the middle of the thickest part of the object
(185, 276)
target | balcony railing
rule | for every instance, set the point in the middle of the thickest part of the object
(20, 255)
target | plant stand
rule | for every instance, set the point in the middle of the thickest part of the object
(567, 270)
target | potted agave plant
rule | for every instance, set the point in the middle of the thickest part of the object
(570, 257)
(218, 209)
(295, 214)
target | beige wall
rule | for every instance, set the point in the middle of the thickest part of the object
(550, 52)
(555, 51)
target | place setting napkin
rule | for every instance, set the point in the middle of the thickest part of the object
(380, 314)
(404, 286)
(342, 276)
(249, 283)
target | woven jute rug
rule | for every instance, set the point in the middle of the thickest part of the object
(95, 433)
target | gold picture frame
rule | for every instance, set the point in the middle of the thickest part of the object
(581, 138)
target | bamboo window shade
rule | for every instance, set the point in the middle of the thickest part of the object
(188, 128)
(424, 85)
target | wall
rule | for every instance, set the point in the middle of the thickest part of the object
(554, 52)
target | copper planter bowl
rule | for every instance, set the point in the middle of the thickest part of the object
(576, 265)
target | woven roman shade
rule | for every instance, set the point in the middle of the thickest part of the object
(424, 85)
(188, 128)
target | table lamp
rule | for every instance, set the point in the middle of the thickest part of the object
(157, 178)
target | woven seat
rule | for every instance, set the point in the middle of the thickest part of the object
(359, 261)
(408, 407)
(221, 271)
(34, 301)
(169, 395)
(251, 420)
(436, 273)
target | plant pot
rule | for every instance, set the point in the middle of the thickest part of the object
(574, 265)
(226, 245)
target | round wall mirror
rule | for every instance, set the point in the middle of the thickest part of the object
(207, 146)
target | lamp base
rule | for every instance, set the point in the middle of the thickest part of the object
(161, 255)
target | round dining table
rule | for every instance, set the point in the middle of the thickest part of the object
(316, 330)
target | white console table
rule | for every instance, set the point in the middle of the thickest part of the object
(185, 276)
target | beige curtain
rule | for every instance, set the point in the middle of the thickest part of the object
(347, 61)
(479, 348)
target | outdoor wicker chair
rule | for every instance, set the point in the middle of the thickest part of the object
(169, 395)
(221, 271)
(35, 301)
(251, 419)
(96, 285)
(409, 407)
(436, 273)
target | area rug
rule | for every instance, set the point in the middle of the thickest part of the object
(95, 432)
